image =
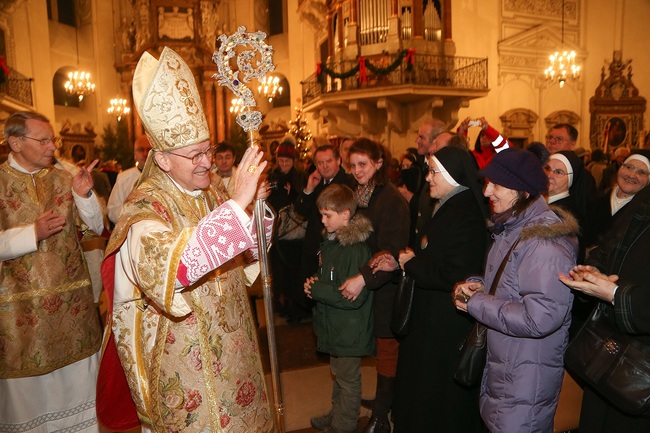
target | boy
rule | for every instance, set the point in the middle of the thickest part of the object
(344, 328)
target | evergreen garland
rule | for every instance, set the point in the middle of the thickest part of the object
(342, 75)
(372, 68)
(388, 69)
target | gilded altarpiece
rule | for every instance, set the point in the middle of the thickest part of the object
(616, 108)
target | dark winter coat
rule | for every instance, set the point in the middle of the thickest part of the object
(389, 213)
(600, 219)
(281, 194)
(343, 328)
(528, 319)
(450, 248)
(626, 255)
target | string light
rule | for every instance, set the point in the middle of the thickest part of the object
(301, 133)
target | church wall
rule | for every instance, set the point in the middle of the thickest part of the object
(478, 27)
(605, 26)
(29, 32)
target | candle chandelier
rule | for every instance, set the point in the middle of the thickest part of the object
(79, 83)
(119, 107)
(562, 65)
(269, 87)
(236, 105)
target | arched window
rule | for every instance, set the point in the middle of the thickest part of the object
(61, 97)
(284, 100)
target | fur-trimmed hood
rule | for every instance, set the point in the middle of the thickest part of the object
(357, 230)
(567, 226)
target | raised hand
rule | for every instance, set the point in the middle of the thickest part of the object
(247, 177)
(83, 181)
(313, 181)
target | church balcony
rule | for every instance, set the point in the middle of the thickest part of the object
(393, 91)
(16, 92)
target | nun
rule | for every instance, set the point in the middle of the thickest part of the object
(566, 182)
(450, 248)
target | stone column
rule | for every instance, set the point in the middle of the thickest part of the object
(330, 36)
(222, 113)
(446, 20)
(209, 107)
(417, 13)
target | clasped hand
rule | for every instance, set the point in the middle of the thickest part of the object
(464, 291)
(591, 281)
(384, 261)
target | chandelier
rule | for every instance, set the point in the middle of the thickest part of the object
(79, 84)
(269, 87)
(562, 65)
(236, 105)
(118, 108)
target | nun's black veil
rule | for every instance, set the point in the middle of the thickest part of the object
(461, 166)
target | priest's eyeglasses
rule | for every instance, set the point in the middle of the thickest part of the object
(197, 157)
(45, 141)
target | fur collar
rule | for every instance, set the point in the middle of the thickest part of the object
(567, 226)
(357, 230)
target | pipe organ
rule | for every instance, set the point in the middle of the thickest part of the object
(373, 23)
(374, 16)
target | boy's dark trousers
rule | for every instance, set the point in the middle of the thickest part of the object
(346, 392)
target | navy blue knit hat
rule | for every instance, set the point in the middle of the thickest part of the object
(517, 169)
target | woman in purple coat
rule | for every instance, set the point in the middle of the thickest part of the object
(528, 316)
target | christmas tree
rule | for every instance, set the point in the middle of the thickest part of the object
(301, 133)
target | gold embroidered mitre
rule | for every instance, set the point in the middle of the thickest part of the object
(168, 102)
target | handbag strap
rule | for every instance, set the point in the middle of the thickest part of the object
(497, 276)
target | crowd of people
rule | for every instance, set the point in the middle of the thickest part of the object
(525, 241)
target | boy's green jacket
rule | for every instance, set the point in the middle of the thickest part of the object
(343, 328)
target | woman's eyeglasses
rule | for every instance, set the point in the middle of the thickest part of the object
(633, 169)
(557, 171)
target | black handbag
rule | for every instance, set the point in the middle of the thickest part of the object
(615, 365)
(402, 308)
(473, 351)
(290, 225)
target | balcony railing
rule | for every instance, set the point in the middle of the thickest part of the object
(18, 87)
(462, 73)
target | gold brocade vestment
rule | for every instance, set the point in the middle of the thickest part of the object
(191, 354)
(47, 314)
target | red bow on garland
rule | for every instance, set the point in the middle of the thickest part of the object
(410, 56)
(319, 69)
(363, 73)
(4, 70)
